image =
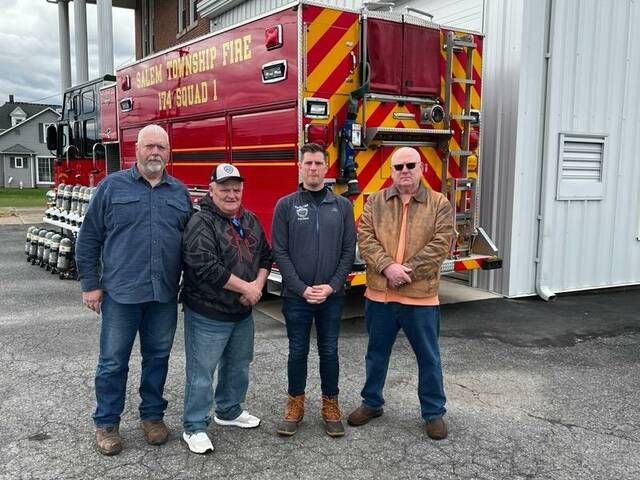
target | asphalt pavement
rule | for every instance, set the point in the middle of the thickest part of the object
(535, 391)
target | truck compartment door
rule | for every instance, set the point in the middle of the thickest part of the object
(196, 146)
(384, 51)
(421, 61)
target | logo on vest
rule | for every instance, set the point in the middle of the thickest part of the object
(302, 211)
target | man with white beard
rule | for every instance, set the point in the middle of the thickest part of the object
(128, 256)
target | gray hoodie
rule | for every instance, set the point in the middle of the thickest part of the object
(311, 244)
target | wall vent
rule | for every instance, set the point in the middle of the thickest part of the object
(581, 166)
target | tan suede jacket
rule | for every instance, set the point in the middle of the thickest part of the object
(430, 231)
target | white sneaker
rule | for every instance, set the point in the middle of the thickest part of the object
(244, 420)
(198, 442)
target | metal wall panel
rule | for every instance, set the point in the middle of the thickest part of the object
(590, 88)
(465, 14)
(254, 8)
(512, 134)
(593, 89)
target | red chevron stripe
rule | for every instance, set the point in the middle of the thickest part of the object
(371, 169)
(377, 160)
(415, 109)
(342, 113)
(324, 45)
(457, 91)
(462, 58)
(432, 177)
(457, 131)
(461, 55)
(338, 75)
(454, 167)
(378, 116)
(310, 13)
(478, 85)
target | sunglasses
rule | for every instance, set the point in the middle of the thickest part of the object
(400, 166)
(237, 227)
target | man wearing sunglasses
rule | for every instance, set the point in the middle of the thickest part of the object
(405, 234)
(226, 262)
(314, 241)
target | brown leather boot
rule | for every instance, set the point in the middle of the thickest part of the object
(436, 429)
(362, 415)
(108, 440)
(155, 431)
(293, 413)
(331, 416)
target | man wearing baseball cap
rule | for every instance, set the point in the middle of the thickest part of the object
(226, 262)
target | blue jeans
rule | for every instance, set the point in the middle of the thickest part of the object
(299, 315)
(156, 323)
(421, 326)
(211, 344)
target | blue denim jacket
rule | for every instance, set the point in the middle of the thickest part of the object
(130, 241)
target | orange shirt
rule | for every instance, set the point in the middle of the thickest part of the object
(392, 294)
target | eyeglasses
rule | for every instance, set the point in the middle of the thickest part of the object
(400, 166)
(237, 227)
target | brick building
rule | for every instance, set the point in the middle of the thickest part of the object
(161, 24)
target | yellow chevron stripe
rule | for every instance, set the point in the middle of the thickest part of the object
(320, 26)
(359, 278)
(374, 185)
(434, 160)
(332, 58)
(372, 106)
(459, 72)
(364, 157)
(471, 264)
(477, 65)
(336, 103)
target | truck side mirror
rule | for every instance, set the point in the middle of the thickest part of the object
(52, 137)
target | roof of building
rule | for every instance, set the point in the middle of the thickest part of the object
(17, 148)
(28, 119)
(29, 108)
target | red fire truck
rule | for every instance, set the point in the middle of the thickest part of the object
(362, 83)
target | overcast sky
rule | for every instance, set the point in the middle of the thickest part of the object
(29, 50)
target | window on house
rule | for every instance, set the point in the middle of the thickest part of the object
(16, 120)
(193, 11)
(187, 14)
(147, 27)
(44, 171)
(43, 132)
(16, 162)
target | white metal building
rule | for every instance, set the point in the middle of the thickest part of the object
(561, 135)
(560, 172)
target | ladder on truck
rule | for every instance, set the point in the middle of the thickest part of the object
(461, 192)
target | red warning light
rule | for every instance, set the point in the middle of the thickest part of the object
(273, 37)
(317, 133)
(125, 82)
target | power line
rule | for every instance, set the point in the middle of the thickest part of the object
(41, 99)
